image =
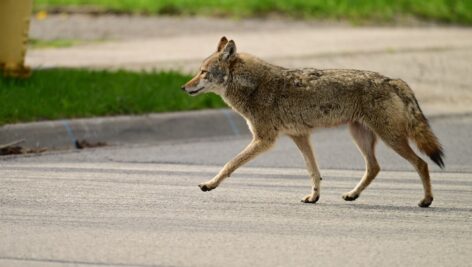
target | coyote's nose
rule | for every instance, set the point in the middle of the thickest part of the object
(182, 87)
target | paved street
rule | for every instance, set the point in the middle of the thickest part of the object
(140, 206)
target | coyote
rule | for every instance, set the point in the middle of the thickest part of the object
(276, 100)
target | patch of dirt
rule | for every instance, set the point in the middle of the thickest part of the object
(14, 148)
(81, 144)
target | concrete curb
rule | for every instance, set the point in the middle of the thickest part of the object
(149, 128)
(144, 129)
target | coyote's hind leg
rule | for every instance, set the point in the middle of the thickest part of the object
(365, 140)
(401, 146)
(303, 143)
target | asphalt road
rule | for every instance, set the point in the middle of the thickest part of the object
(140, 206)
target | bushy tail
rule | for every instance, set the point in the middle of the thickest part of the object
(427, 142)
(419, 128)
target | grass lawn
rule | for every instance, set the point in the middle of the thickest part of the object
(357, 11)
(58, 43)
(73, 93)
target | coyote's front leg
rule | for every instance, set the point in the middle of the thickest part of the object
(303, 143)
(257, 146)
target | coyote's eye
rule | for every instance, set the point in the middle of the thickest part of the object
(204, 73)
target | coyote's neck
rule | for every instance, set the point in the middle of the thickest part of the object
(250, 82)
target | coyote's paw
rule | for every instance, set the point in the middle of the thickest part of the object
(206, 186)
(425, 202)
(311, 198)
(350, 196)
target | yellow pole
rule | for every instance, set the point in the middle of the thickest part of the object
(14, 26)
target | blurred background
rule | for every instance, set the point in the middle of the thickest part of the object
(94, 58)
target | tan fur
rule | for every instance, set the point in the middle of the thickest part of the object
(276, 100)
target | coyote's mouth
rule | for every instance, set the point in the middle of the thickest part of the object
(196, 91)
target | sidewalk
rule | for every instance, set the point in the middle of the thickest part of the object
(435, 61)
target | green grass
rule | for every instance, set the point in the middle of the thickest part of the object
(76, 93)
(357, 11)
(57, 43)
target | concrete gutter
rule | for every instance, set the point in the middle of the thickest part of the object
(149, 128)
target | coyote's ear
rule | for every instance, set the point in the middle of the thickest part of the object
(221, 44)
(229, 52)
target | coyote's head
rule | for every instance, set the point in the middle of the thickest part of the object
(214, 70)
